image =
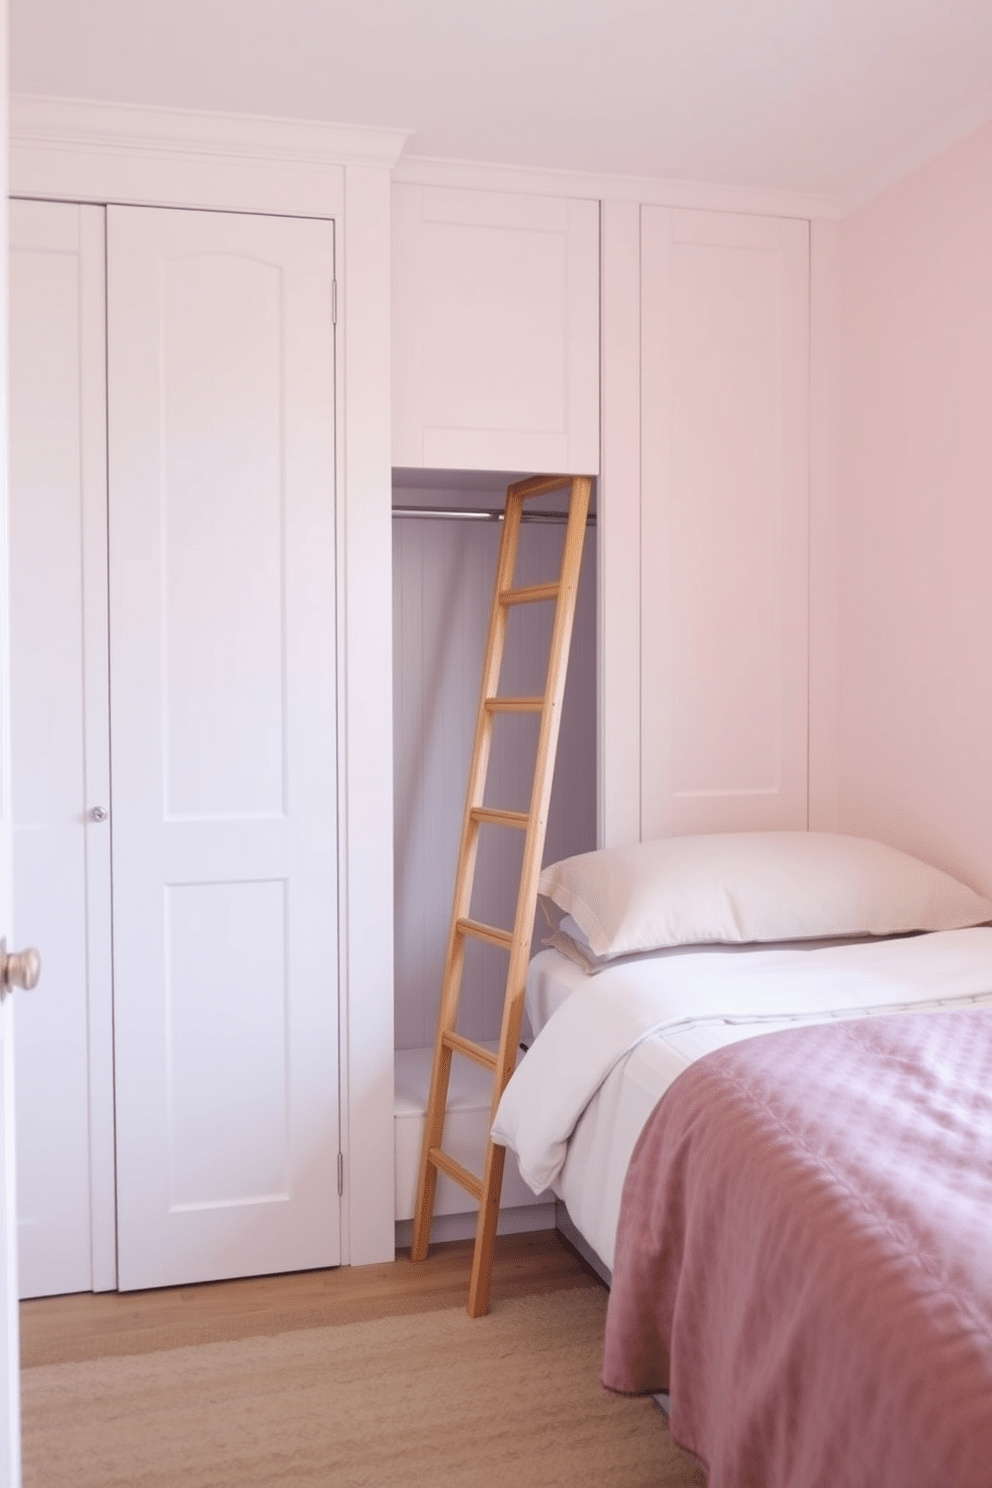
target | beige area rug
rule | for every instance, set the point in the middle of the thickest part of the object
(433, 1399)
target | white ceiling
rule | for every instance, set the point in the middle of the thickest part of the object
(796, 95)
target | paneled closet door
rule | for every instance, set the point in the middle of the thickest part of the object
(60, 746)
(724, 517)
(221, 400)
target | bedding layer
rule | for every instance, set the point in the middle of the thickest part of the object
(701, 1001)
(804, 1257)
(597, 1116)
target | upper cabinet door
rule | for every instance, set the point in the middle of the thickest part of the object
(495, 331)
(222, 622)
(724, 522)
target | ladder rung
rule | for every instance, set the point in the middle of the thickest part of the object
(485, 932)
(462, 1176)
(530, 595)
(499, 818)
(539, 485)
(478, 1052)
(514, 704)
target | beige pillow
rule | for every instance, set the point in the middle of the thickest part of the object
(752, 886)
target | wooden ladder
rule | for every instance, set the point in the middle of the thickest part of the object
(533, 823)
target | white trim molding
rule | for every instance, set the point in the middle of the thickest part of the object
(698, 195)
(365, 737)
(710, 196)
(140, 128)
(73, 149)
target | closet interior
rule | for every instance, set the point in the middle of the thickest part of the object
(446, 528)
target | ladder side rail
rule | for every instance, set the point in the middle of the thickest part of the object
(513, 1005)
(547, 744)
(454, 959)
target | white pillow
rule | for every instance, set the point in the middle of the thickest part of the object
(570, 942)
(752, 886)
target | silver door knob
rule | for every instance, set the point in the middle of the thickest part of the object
(99, 813)
(18, 969)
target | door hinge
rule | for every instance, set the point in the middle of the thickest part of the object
(340, 1174)
(334, 302)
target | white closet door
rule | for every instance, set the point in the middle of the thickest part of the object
(59, 744)
(724, 502)
(221, 417)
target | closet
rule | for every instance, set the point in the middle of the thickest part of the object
(138, 634)
(495, 374)
(445, 543)
(174, 736)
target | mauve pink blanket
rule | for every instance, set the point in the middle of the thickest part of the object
(805, 1257)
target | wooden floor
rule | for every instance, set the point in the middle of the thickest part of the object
(91, 1325)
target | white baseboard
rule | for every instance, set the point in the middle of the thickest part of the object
(462, 1226)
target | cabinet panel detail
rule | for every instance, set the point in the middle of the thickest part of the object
(724, 522)
(516, 327)
(227, 1038)
(222, 492)
(495, 331)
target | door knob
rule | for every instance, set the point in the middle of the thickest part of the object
(98, 814)
(18, 969)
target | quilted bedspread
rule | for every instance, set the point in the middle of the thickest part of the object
(805, 1257)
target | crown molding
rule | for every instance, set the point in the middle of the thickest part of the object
(699, 195)
(949, 132)
(40, 124)
(420, 170)
(46, 123)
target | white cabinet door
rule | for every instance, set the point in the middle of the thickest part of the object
(220, 379)
(724, 503)
(495, 331)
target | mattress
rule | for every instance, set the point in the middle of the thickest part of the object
(608, 1046)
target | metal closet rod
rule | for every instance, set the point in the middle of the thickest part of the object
(487, 514)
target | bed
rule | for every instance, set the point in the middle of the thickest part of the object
(800, 1232)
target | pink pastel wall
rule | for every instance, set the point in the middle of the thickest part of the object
(914, 560)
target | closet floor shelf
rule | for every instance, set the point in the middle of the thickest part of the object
(466, 1128)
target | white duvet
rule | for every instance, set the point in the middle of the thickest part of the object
(721, 997)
